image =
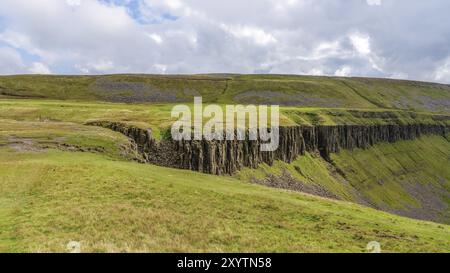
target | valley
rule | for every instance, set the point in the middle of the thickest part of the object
(90, 159)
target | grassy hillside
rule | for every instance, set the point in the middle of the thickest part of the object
(158, 116)
(62, 181)
(305, 91)
(53, 197)
(410, 178)
(39, 136)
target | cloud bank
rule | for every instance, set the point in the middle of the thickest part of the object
(376, 38)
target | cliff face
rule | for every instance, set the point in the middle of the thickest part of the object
(227, 157)
(333, 138)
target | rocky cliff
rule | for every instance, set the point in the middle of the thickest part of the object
(227, 157)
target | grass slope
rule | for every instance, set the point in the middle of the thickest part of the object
(50, 198)
(61, 180)
(410, 178)
(158, 116)
(305, 91)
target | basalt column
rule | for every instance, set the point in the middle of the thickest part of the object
(230, 156)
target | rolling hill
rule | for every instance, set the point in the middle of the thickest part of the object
(305, 91)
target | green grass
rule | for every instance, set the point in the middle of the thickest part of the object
(48, 199)
(309, 169)
(406, 177)
(304, 91)
(385, 172)
(26, 135)
(158, 116)
(62, 181)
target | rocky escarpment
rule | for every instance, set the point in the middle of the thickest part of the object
(227, 157)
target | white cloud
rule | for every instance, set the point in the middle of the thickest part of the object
(161, 68)
(100, 66)
(19, 40)
(361, 43)
(316, 72)
(174, 4)
(39, 68)
(328, 49)
(73, 2)
(281, 5)
(442, 73)
(270, 36)
(155, 37)
(343, 71)
(257, 35)
(373, 2)
(10, 61)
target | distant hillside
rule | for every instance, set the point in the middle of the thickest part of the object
(307, 91)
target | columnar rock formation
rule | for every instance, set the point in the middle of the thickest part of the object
(227, 157)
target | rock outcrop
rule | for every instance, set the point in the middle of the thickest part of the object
(227, 157)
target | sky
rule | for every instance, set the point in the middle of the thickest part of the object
(405, 39)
